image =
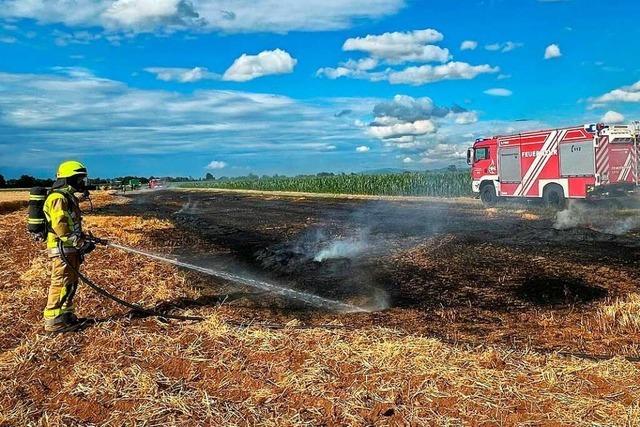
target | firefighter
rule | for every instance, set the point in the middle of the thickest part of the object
(64, 224)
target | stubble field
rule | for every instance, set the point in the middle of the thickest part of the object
(475, 317)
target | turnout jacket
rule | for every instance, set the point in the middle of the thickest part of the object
(64, 220)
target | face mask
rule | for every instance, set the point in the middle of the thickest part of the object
(80, 184)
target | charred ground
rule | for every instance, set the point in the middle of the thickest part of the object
(448, 269)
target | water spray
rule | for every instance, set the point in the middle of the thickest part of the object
(311, 299)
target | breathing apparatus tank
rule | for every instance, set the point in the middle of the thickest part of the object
(36, 222)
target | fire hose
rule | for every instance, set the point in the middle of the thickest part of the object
(136, 308)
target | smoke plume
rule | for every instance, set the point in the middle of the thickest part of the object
(609, 220)
(189, 208)
(341, 248)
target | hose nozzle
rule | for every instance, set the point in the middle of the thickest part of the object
(97, 240)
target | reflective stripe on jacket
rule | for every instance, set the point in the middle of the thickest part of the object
(63, 218)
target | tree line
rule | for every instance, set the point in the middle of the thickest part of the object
(25, 181)
(28, 181)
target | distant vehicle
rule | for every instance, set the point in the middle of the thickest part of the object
(156, 183)
(112, 185)
(582, 162)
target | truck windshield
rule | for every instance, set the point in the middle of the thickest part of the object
(481, 154)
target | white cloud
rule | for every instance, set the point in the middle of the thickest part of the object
(509, 46)
(62, 38)
(623, 94)
(356, 69)
(204, 15)
(428, 74)
(469, 45)
(149, 14)
(415, 75)
(103, 116)
(244, 68)
(364, 64)
(612, 117)
(503, 47)
(407, 160)
(396, 48)
(362, 149)
(465, 118)
(595, 106)
(268, 62)
(498, 91)
(408, 123)
(552, 51)
(443, 152)
(408, 109)
(8, 39)
(216, 164)
(399, 47)
(182, 75)
(387, 130)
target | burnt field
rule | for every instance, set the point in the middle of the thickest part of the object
(445, 269)
(476, 317)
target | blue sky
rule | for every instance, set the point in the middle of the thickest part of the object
(231, 87)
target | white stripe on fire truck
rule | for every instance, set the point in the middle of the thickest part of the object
(600, 152)
(624, 173)
(536, 169)
(536, 161)
(603, 152)
(547, 156)
(635, 165)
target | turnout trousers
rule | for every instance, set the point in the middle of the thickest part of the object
(64, 282)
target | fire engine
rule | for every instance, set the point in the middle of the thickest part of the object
(156, 183)
(582, 162)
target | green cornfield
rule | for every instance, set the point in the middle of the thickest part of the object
(434, 184)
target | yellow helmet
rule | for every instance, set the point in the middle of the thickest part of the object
(71, 168)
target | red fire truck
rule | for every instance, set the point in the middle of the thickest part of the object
(581, 162)
(156, 183)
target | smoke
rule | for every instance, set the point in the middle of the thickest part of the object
(316, 245)
(368, 232)
(610, 220)
(347, 248)
(623, 226)
(342, 254)
(575, 215)
(188, 208)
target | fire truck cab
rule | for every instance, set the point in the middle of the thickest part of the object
(581, 162)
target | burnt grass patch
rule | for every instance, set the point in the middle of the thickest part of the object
(484, 275)
(558, 291)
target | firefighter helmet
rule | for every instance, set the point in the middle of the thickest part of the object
(71, 168)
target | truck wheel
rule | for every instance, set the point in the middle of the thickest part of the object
(553, 197)
(488, 195)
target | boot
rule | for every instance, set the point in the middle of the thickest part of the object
(66, 322)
